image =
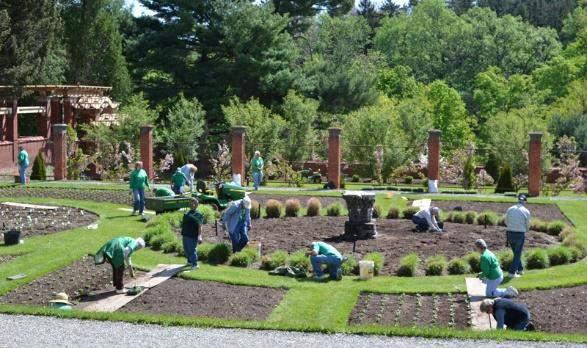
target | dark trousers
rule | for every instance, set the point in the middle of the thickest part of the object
(516, 242)
(189, 248)
(421, 223)
(117, 275)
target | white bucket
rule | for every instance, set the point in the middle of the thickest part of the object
(366, 269)
(236, 178)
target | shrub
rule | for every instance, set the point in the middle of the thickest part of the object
(204, 251)
(300, 260)
(576, 254)
(255, 209)
(408, 265)
(473, 259)
(160, 239)
(538, 225)
(554, 228)
(572, 241)
(537, 259)
(469, 175)
(393, 213)
(408, 179)
(172, 246)
(243, 258)
(487, 218)
(458, 217)
(313, 207)
(505, 182)
(470, 217)
(377, 259)
(335, 209)
(376, 211)
(355, 178)
(39, 171)
(435, 265)
(492, 165)
(273, 208)
(154, 231)
(505, 257)
(447, 217)
(180, 252)
(219, 254)
(567, 231)
(292, 207)
(501, 221)
(252, 252)
(350, 266)
(409, 212)
(275, 259)
(208, 212)
(458, 266)
(559, 256)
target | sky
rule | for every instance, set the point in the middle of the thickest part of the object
(138, 9)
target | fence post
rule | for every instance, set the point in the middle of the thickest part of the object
(534, 165)
(59, 135)
(334, 154)
(238, 153)
(433, 159)
(146, 141)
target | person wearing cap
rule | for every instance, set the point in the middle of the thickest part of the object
(23, 164)
(178, 180)
(508, 313)
(117, 253)
(163, 192)
(257, 165)
(426, 219)
(237, 220)
(61, 301)
(189, 171)
(325, 254)
(191, 232)
(517, 220)
(491, 273)
(138, 181)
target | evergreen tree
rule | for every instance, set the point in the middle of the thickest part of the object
(39, 171)
(469, 174)
(492, 165)
(301, 12)
(505, 183)
(461, 6)
(367, 9)
(547, 13)
(390, 8)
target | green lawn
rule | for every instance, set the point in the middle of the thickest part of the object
(307, 306)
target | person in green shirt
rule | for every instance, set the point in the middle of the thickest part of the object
(191, 232)
(178, 180)
(257, 169)
(491, 273)
(23, 163)
(323, 253)
(117, 253)
(138, 181)
(163, 192)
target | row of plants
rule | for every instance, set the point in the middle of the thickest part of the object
(293, 208)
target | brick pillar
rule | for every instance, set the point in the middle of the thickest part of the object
(334, 155)
(68, 112)
(433, 160)
(534, 164)
(60, 151)
(12, 129)
(147, 149)
(44, 121)
(238, 152)
(55, 114)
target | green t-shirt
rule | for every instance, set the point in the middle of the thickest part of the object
(325, 249)
(23, 158)
(164, 192)
(138, 179)
(489, 265)
(114, 249)
(257, 165)
(178, 178)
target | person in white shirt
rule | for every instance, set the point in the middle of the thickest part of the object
(189, 170)
(517, 220)
(427, 219)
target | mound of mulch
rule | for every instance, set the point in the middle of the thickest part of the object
(546, 212)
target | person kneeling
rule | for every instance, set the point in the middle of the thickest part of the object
(491, 273)
(513, 315)
(323, 253)
(426, 219)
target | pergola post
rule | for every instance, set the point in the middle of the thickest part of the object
(334, 156)
(238, 153)
(433, 160)
(44, 121)
(60, 151)
(147, 149)
(68, 112)
(12, 131)
(534, 165)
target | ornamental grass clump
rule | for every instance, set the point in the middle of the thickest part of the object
(458, 218)
(505, 257)
(408, 265)
(243, 258)
(219, 254)
(537, 259)
(576, 254)
(435, 265)
(350, 266)
(409, 212)
(559, 256)
(555, 227)
(255, 209)
(300, 260)
(376, 211)
(172, 246)
(473, 259)
(572, 241)
(501, 221)
(566, 232)
(276, 259)
(377, 259)
(204, 251)
(208, 212)
(487, 218)
(292, 207)
(273, 209)
(458, 266)
(160, 239)
(313, 207)
(538, 225)
(470, 217)
(335, 209)
(393, 213)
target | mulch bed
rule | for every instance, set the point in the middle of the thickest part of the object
(77, 280)
(207, 299)
(395, 237)
(411, 310)
(546, 212)
(326, 201)
(37, 222)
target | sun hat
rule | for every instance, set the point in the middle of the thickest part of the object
(61, 298)
(140, 242)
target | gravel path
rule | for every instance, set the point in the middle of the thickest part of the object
(28, 331)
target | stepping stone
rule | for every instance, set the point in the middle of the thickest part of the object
(157, 276)
(476, 292)
(422, 203)
(33, 206)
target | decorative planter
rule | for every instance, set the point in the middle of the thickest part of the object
(361, 224)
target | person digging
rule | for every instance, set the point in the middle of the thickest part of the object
(323, 253)
(428, 219)
(117, 253)
(513, 315)
(491, 273)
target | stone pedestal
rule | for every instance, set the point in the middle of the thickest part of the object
(361, 224)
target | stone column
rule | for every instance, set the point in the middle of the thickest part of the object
(12, 129)
(147, 149)
(60, 151)
(433, 160)
(534, 164)
(334, 156)
(238, 153)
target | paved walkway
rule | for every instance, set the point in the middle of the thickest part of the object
(29, 331)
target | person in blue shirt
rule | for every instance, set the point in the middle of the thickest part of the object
(517, 220)
(237, 220)
(508, 314)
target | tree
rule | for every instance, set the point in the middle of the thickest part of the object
(389, 8)
(299, 114)
(544, 13)
(39, 171)
(461, 6)
(367, 10)
(301, 12)
(492, 165)
(505, 182)
(398, 82)
(469, 176)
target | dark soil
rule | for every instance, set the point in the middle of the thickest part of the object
(326, 201)
(411, 310)
(546, 212)
(395, 238)
(37, 222)
(207, 299)
(77, 280)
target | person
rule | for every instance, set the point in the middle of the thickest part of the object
(506, 312)
(117, 253)
(191, 232)
(138, 182)
(323, 253)
(189, 170)
(61, 301)
(163, 192)
(517, 220)
(426, 219)
(23, 163)
(491, 273)
(257, 165)
(237, 220)
(178, 180)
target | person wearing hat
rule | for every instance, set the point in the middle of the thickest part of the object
(23, 163)
(178, 180)
(163, 192)
(117, 253)
(508, 313)
(323, 253)
(517, 220)
(191, 232)
(189, 171)
(138, 181)
(61, 301)
(237, 220)
(426, 219)
(257, 165)
(491, 273)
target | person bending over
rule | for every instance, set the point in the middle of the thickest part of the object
(427, 219)
(322, 253)
(508, 313)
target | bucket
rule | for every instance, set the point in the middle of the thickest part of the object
(366, 269)
(236, 178)
(11, 237)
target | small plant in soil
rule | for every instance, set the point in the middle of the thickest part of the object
(473, 259)
(255, 209)
(435, 265)
(393, 213)
(398, 310)
(470, 217)
(418, 309)
(537, 259)
(538, 225)
(275, 259)
(334, 209)
(376, 211)
(487, 218)
(435, 308)
(408, 265)
(409, 212)
(452, 310)
(559, 256)
(273, 208)
(300, 260)
(458, 266)
(377, 259)
(554, 228)
(505, 257)
(350, 266)
(292, 207)
(313, 207)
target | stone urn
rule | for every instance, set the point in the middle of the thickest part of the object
(360, 206)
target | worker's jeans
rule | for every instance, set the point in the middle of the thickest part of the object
(491, 289)
(189, 248)
(138, 196)
(421, 223)
(257, 178)
(22, 174)
(516, 241)
(178, 190)
(333, 263)
(117, 275)
(239, 238)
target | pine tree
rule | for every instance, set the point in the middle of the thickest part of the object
(390, 8)
(39, 171)
(469, 174)
(492, 165)
(367, 9)
(505, 181)
(461, 6)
